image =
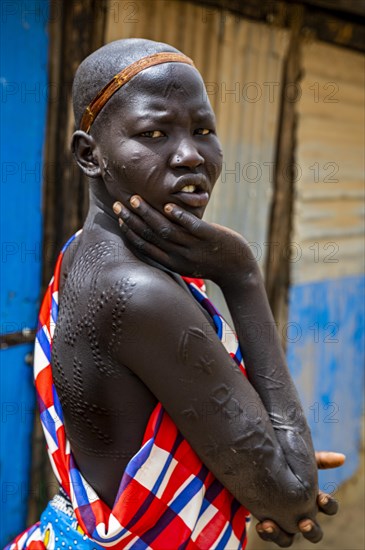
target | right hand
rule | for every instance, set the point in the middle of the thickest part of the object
(183, 242)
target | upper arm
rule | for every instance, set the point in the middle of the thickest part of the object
(177, 353)
(168, 342)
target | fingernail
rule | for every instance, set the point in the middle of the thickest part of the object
(168, 208)
(117, 207)
(259, 530)
(135, 202)
(120, 222)
(323, 500)
(306, 528)
(268, 529)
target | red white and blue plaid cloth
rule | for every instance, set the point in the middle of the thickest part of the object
(167, 498)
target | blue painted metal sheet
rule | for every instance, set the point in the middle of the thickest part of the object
(326, 357)
(17, 412)
(23, 79)
(24, 52)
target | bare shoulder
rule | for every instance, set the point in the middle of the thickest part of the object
(144, 292)
(99, 270)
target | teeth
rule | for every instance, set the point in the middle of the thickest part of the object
(188, 189)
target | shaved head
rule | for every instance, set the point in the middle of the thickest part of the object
(103, 64)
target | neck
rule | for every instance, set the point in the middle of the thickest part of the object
(101, 213)
(100, 209)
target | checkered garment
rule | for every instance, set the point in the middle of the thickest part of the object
(167, 498)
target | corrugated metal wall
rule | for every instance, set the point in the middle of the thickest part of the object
(329, 206)
(241, 63)
(326, 299)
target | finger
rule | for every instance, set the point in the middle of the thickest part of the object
(161, 238)
(117, 207)
(328, 459)
(148, 222)
(138, 226)
(270, 531)
(188, 221)
(327, 504)
(310, 530)
(161, 225)
(144, 246)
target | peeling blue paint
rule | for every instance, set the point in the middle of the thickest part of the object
(17, 414)
(23, 87)
(327, 363)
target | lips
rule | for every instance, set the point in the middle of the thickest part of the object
(192, 190)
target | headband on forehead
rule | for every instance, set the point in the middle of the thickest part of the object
(124, 76)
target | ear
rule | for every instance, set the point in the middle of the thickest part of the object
(84, 149)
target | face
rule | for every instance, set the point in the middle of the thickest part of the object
(158, 140)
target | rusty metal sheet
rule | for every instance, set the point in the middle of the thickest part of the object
(328, 221)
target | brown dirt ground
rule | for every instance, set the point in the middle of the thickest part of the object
(345, 531)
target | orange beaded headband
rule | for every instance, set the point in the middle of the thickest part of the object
(122, 78)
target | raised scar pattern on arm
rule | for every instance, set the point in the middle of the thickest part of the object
(212, 448)
(190, 413)
(221, 395)
(204, 364)
(230, 406)
(273, 383)
(185, 342)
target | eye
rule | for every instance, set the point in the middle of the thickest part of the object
(153, 134)
(203, 131)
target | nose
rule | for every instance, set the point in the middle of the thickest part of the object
(186, 155)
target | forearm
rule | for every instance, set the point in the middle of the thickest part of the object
(233, 436)
(245, 455)
(267, 370)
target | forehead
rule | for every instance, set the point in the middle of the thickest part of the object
(164, 86)
(167, 76)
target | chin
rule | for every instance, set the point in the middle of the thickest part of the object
(197, 211)
(200, 211)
